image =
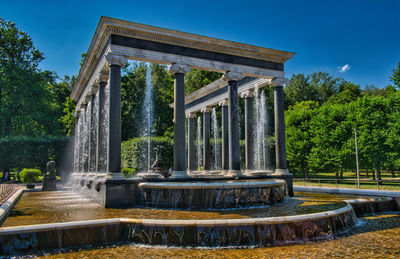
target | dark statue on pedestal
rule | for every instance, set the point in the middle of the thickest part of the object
(50, 179)
(158, 165)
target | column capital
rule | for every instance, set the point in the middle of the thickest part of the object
(76, 114)
(232, 76)
(83, 105)
(101, 78)
(279, 81)
(94, 89)
(116, 59)
(190, 115)
(179, 68)
(223, 102)
(206, 109)
(247, 94)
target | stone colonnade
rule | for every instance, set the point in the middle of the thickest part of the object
(230, 131)
(98, 126)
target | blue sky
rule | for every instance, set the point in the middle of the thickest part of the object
(325, 35)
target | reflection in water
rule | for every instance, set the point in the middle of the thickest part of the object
(50, 207)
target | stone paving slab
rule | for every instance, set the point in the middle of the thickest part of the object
(334, 190)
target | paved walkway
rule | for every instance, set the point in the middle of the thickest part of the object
(7, 190)
(347, 191)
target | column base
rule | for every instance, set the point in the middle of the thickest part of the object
(101, 175)
(281, 172)
(234, 173)
(224, 172)
(253, 172)
(114, 176)
(148, 175)
(179, 174)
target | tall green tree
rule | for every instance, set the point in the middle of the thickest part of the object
(298, 135)
(318, 87)
(196, 79)
(395, 77)
(30, 99)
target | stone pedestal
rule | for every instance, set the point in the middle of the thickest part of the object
(49, 182)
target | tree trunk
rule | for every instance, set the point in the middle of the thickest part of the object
(341, 173)
(307, 172)
(373, 176)
(392, 171)
(378, 175)
(367, 173)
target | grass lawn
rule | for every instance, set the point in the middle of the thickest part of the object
(326, 179)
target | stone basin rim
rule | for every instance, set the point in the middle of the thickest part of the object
(175, 222)
(212, 185)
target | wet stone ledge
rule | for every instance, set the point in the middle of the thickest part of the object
(212, 195)
(204, 233)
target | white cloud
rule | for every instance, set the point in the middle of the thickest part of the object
(343, 69)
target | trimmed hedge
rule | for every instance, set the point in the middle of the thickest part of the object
(30, 175)
(134, 152)
(27, 152)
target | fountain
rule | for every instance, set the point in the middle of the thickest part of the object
(224, 210)
(199, 145)
(215, 133)
(261, 149)
(147, 124)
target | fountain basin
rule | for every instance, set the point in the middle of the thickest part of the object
(213, 195)
(211, 233)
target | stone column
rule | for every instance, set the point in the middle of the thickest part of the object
(101, 149)
(191, 147)
(233, 119)
(280, 145)
(86, 136)
(179, 70)
(76, 142)
(93, 130)
(249, 129)
(225, 136)
(81, 138)
(114, 116)
(206, 139)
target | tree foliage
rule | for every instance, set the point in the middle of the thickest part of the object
(395, 77)
(317, 87)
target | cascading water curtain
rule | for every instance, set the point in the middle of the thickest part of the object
(199, 149)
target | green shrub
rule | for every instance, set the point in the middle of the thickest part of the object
(134, 152)
(128, 172)
(30, 175)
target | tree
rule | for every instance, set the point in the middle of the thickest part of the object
(196, 79)
(332, 140)
(29, 98)
(318, 87)
(395, 77)
(347, 92)
(298, 137)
